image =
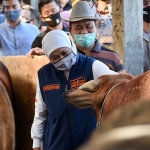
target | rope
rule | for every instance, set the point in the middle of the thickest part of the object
(101, 112)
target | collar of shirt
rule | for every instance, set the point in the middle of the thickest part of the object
(10, 26)
(96, 48)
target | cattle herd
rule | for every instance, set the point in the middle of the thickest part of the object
(121, 104)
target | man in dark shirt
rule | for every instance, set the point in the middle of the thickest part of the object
(50, 14)
(83, 32)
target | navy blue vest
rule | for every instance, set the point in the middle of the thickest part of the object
(66, 127)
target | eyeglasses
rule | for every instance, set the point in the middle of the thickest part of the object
(26, 20)
(29, 21)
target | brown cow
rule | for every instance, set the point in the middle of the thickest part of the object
(7, 123)
(126, 128)
(23, 71)
(109, 92)
(125, 138)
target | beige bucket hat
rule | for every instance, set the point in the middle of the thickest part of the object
(80, 11)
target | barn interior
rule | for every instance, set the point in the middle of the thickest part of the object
(127, 42)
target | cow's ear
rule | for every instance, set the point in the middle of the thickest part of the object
(90, 86)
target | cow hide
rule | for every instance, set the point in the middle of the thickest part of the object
(109, 92)
(7, 122)
(23, 72)
(132, 121)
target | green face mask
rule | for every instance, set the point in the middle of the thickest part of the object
(84, 40)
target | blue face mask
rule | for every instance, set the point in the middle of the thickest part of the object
(13, 15)
(84, 40)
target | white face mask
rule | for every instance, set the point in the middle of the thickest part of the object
(66, 63)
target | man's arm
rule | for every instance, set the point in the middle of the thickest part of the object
(35, 51)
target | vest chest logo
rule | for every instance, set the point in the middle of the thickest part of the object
(106, 38)
(77, 82)
(102, 22)
(51, 87)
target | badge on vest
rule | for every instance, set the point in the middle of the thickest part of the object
(77, 82)
(102, 21)
(51, 87)
(106, 38)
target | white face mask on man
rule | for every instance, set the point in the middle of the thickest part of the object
(66, 63)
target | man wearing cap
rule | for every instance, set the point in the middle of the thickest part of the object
(83, 30)
(102, 9)
(58, 124)
(50, 14)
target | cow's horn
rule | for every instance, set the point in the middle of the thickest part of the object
(90, 86)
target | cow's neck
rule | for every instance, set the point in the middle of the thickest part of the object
(99, 112)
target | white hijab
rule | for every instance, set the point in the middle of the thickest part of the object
(56, 39)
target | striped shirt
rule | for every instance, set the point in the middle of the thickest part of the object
(106, 56)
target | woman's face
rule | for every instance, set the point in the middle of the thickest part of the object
(59, 54)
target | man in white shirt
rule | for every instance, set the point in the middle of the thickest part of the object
(16, 36)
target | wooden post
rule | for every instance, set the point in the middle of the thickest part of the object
(128, 33)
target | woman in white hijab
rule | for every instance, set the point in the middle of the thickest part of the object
(58, 124)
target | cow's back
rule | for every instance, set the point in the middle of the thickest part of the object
(23, 71)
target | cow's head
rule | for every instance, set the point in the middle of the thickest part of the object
(92, 93)
(82, 96)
